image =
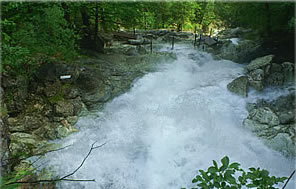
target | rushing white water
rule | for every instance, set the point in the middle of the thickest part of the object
(172, 123)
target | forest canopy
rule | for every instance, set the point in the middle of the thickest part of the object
(31, 30)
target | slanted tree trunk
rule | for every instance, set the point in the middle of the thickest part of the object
(96, 23)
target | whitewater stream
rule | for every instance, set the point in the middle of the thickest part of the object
(170, 124)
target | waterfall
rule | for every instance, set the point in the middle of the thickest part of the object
(170, 124)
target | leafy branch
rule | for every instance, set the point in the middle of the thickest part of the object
(231, 176)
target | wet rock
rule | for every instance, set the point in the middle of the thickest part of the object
(132, 51)
(264, 116)
(287, 117)
(243, 52)
(288, 71)
(52, 89)
(275, 79)
(15, 94)
(72, 120)
(210, 41)
(256, 79)
(259, 63)
(24, 143)
(274, 122)
(71, 92)
(280, 140)
(27, 123)
(275, 68)
(50, 72)
(64, 108)
(239, 86)
(77, 105)
(65, 129)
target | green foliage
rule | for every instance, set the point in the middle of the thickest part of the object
(31, 31)
(266, 17)
(231, 176)
(16, 175)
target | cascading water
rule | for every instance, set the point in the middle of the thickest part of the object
(171, 123)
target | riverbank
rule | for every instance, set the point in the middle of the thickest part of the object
(47, 107)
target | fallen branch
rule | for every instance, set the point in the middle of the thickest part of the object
(64, 178)
(289, 179)
(38, 154)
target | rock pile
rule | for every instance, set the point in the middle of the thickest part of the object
(274, 122)
(47, 107)
(262, 72)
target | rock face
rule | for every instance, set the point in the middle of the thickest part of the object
(239, 86)
(242, 52)
(263, 72)
(260, 62)
(47, 107)
(274, 122)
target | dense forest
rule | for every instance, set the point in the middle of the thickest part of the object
(59, 63)
(60, 30)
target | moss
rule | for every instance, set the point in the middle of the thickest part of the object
(60, 95)
(56, 98)
(3, 111)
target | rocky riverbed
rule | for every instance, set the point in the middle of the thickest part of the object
(47, 107)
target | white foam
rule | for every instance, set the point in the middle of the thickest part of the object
(169, 125)
(235, 40)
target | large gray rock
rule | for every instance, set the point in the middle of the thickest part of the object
(210, 41)
(50, 72)
(288, 71)
(259, 62)
(64, 108)
(264, 115)
(24, 143)
(239, 86)
(256, 79)
(274, 122)
(275, 79)
(244, 52)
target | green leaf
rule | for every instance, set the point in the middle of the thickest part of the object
(252, 169)
(225, 161)
(251, 185)
(198, 178)
(212, 170)
(215, 164)
(234, 165)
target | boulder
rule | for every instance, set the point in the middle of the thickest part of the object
(239, 86)
(275, 79)
(64, 108)
(209, 41)
(259, 63)
(65, 129)
(256, 79)
(274, 122)
(243, 52)
(50, 72)
(24, 143)
(264, 115)
(275, 68)
(15, 93)
(288, 71)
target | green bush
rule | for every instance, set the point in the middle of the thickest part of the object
(231, 176)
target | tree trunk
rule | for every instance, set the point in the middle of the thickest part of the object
(86, 41)
(96, 23)
(66, 13)
(268, 20)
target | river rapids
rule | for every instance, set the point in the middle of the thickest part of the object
(170, 124)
